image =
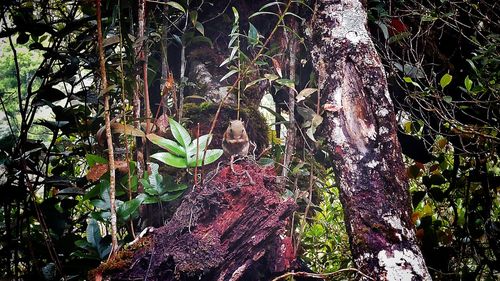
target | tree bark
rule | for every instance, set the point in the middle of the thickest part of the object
(233, 227)
(361, 126)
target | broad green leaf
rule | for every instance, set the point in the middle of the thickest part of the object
(170, 159)
(176, 187)
(93, 159)
(445, 80)
(286, 82)
(264, 161)
(305, 93)
(211, 156)
(468, 83)
(93, 233)
(167, 144)
(125, 211)
(447, 99)
(148, 188)
(271, 77)
(180, 133)
(202, 142)
(228, 74)
(170, 196)
(176, 6)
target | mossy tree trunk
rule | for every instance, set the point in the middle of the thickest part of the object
(361, 126)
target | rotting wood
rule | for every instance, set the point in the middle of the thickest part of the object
(228, 229)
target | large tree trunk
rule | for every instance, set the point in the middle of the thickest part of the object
(363, 143)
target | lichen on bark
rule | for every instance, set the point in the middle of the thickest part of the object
(363, 144)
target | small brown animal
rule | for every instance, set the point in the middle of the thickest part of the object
(235, 140)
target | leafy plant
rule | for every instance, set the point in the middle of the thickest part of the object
(184, 152)
(160, 189)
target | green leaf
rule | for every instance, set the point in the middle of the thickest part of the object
(286, 82)
(225, 62)
(170, 159)
(384, 29)
(93, 159)
(271, 77)
(200, 28)
(236, 14)
(180, 133)
(271, 4)
(170, 196)
(148, 188)
(176, 6)
(447, 99)
(126, 210)
(305, 93)
(407, 79)
(167, 144)
(173, 187)
(468, 83)
(445, 80)
(262, 13)
(202, 141)
(228, 74)
(264, 161)
(254, 82)
(93, 233)
(211, 156)
(253, 34)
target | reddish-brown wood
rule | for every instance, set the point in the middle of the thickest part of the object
(232, 228)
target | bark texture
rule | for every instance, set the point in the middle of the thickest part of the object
(363, 144)
(231, 228)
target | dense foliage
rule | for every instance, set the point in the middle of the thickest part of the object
(442, 61)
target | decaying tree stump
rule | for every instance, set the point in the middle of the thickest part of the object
(231, 228)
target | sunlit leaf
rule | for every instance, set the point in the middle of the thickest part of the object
(176, 5)
(180, 133)
(286, 82)
(170, 159)
(228, 74)
(445, 80)
(167, 144)
(468, 83)
(202, 142)
(305, 93)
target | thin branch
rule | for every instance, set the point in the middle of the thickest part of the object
(321, 275)
(111, 156)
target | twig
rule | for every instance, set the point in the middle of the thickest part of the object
(107, 121)
(321, 275)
